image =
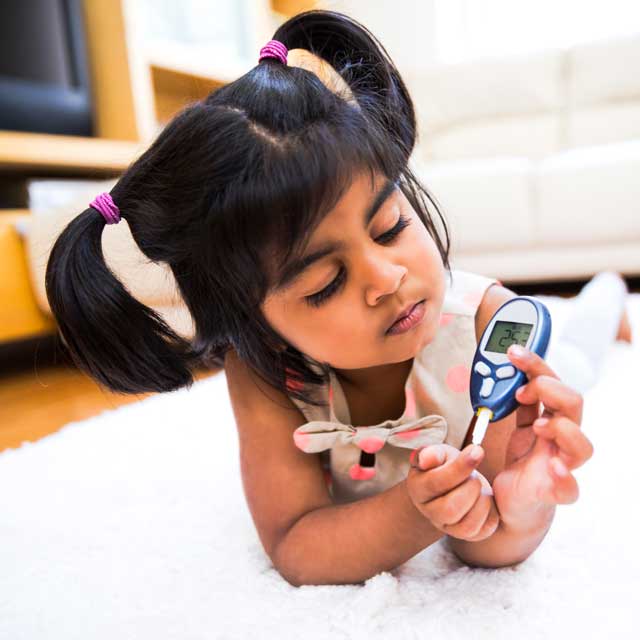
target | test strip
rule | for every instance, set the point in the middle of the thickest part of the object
(480, 427)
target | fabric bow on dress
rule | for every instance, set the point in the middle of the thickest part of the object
(319, 435)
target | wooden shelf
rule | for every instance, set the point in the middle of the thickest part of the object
(187, 62)
(11, 216)
(135, 92)
(291, 7)
(66, 154)
(180, 76)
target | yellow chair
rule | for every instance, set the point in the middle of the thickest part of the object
(20, 316)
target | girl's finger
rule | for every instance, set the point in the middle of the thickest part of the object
(529, 362)
(574, 446)
(555, 395)
(527, 413)
(474, 520)
(565, 488)
(429, 456)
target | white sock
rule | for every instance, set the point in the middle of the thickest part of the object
(592, 325)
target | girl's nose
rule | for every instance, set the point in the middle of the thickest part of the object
(385, 279)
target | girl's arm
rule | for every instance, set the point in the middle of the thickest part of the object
(308, 538)
(350, 543)
(508, 544)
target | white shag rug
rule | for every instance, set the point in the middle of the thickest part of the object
(133, 524)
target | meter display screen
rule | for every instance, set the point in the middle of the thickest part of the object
(505, 334)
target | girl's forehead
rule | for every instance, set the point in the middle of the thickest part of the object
(354, 197)
(303, 217)
(364, 197)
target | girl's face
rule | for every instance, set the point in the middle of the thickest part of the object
(337, 310)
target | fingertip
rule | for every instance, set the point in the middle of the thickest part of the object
(474, 453)
(545, 434)
(558, 468)
(439, 456)
(431, 456)
(486, 491)
(517, 351)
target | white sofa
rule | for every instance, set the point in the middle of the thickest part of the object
(535, 159)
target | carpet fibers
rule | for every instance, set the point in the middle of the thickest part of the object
(133, 524)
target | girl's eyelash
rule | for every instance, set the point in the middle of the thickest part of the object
(317, 299)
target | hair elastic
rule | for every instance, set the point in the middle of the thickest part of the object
(107, 207)
(274, 49)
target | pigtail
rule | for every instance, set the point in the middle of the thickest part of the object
(111, 336)
(363, 63)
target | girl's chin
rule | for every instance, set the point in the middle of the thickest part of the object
(430, 329)
(421, 335)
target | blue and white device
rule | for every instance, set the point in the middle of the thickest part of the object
(494, 380)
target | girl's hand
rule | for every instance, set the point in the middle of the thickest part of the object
(446, 488)
(543, 450)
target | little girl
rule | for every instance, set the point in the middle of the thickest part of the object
(308, 256)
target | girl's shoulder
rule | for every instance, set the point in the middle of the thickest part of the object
(464, 293)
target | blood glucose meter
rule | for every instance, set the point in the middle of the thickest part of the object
(494, 380)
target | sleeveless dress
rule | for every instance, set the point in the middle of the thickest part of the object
(437, 405)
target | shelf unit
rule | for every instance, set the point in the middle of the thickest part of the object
(135, 93)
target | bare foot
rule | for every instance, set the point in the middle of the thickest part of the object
(624, 330)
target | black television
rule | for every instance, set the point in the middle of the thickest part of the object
(44, 79)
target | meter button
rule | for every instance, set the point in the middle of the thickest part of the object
(487, 387)
(482, 369)
(505, 372)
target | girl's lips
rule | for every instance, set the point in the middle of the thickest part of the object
(408, 322)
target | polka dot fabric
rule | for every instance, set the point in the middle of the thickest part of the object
(458, 378)
(438, 383)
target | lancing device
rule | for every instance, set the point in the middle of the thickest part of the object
(494, 380)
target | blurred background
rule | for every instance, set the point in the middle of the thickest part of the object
(529, 138)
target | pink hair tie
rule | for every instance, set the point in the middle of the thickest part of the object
(107, 207)
(274, 49)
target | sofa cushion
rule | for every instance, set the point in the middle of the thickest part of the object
(482, 96)
(604, 124)
(604, 70)
(486, 202)
(589, 195)
(553, 263)
(20, 316)
(489, 87)
(533, 136)
(603, 91)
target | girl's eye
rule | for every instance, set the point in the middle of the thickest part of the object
(317, 299)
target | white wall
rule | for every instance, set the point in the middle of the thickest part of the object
(405, 27)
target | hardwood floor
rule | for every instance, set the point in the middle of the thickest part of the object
(39, 395)
(40, 392)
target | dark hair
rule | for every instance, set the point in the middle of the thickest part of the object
(226, 194)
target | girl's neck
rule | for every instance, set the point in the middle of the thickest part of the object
(378, 379)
